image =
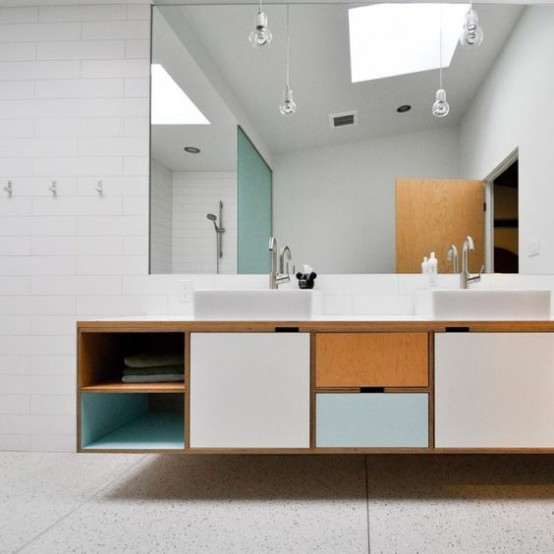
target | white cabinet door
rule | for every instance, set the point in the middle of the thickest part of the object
(494, 390)
(250, 390)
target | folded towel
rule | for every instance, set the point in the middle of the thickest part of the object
(162, 378)
(165, 369)
(154, 359)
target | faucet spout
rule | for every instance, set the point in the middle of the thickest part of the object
(452, 257)
(465, 277)
(285, 251)
(277, 276)
(273, 270)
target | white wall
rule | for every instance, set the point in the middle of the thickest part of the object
(514, 110)
(160, 218)
(340, 199)
(196, 194)
(74, 85)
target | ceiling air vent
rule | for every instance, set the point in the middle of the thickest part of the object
(344, 119)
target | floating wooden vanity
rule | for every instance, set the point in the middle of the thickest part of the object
(307, 387)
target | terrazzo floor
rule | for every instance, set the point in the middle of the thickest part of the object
(86, 503)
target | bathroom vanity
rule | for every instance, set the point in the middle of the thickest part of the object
(328, 385)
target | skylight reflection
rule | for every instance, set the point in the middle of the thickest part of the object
(170, 104)
(397, 39)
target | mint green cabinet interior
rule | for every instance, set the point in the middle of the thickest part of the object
(372, 420)
(128, 421)
(255, 181)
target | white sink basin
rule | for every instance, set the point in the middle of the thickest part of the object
(264, 304)
(483, 304)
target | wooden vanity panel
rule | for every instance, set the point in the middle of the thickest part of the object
(371, 360)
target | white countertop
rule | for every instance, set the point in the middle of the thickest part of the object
(318, 318)
(191, 318)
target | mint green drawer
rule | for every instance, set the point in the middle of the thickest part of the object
(372, 420)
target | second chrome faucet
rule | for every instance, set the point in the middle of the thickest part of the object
(277, 273)
(465, 276)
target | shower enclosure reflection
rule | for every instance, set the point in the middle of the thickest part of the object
(219, 230)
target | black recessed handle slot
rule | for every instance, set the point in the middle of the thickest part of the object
(456, 329)
(372, 389)
(287, 329)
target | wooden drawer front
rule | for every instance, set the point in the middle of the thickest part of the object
(371, 360)
(372, 420)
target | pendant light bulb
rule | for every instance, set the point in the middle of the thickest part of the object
(441, 106)
(472, 33)
(287, 106)
(260, 36)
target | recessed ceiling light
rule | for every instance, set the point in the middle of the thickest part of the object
(192, 150)
(404, 108)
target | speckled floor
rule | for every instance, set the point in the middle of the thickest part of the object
(86, 503)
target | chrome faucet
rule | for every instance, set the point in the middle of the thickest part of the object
(276, 275)
(452, 256)
(285, 251)
(465, 276)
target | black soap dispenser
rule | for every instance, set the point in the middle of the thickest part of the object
(306, 277)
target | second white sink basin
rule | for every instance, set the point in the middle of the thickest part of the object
(483, 304)
(256, 304)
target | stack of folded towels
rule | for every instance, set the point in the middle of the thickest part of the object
(153, 367)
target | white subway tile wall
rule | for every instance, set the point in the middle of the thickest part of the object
(73, 109)
(160, 231)
(194, 242)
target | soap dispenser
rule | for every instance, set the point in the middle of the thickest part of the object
(425, 266)
(433, 270)
(306, 277)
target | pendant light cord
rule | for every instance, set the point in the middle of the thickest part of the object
(440, 46)
(288, 46)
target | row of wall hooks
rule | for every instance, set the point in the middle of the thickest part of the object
(53, 188)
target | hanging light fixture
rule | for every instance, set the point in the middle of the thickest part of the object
(260, 36)
(472, 33)
(441, 106)
(288, 106)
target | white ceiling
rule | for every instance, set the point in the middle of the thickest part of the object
(320, 77)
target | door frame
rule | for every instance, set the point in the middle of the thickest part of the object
(512, 157)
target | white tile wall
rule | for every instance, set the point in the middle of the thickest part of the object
(74, 109)
(160, 232)
(194, 243)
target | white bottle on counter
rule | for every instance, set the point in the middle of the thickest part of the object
(425, 265)
(433, 270)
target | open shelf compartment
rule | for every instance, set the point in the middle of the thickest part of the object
(132, 421)
(102, 355)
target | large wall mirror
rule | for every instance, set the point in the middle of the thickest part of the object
(332, 186)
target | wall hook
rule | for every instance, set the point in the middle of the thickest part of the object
(99, 188)
(53, 188)
(9, 188)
